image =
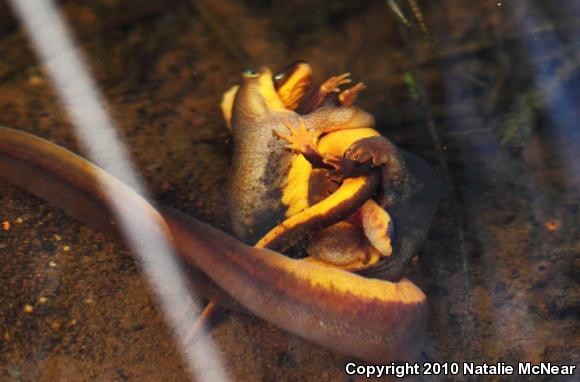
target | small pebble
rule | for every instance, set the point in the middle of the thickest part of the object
(553, 225)
(35, 80)
(6, 225)
(57, 237)
(28, 308)
(42, 300)
(66, 248)
(19, 220)
(51, 264)
(14, 371)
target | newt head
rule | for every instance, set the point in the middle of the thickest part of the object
(258, 89)
(255, 98)
(263, 90)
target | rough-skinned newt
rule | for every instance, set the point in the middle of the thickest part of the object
(264, 186)
(326, 132)
(371, 319)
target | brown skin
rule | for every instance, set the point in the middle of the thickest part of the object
(374, 320)
(268, 187)
(338, 140)
(261, 163)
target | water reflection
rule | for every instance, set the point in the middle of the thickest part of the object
(96, 132)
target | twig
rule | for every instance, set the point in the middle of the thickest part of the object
(219, 30)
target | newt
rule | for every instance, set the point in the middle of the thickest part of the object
(368, 318)
(327, 135)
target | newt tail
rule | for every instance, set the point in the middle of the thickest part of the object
(371, 319)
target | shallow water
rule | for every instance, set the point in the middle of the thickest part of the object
(492, 105)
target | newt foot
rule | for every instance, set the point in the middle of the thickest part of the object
(348, 96)
(340, 167)
(300, 139)
(374, 150)
(333, 83)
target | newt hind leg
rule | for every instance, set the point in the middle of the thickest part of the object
(322, 94)
(380, 152)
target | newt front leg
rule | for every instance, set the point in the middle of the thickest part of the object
(303, 141)
(329, 92)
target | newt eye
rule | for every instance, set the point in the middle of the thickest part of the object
(250, 73)
(280, 79)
